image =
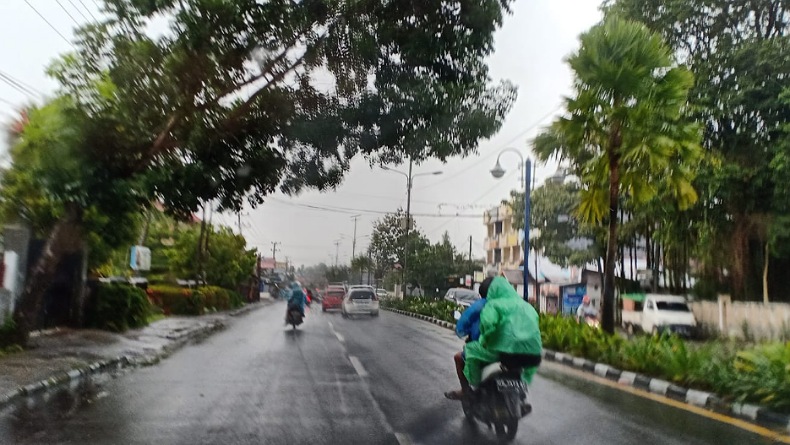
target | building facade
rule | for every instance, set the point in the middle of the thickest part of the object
(502, 244)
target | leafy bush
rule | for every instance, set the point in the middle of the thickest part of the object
(118, 307)
(7, 332)
(439, 309)
(219, 299)
(175, 300)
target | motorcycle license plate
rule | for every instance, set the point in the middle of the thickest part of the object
(510, 385)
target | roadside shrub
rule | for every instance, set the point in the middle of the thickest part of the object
(220, 299)
(7, 332)
(118, 307)
(176, 300)
(762, 375)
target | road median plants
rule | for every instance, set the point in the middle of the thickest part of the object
(439, 309)
(736, 371)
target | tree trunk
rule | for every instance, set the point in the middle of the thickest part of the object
(608, 316)
(765, 274)
(65, 236)
(740, 257)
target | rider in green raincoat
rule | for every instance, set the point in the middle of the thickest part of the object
(509, 325)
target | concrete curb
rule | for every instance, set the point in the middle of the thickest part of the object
(124, 361)
(752, 413)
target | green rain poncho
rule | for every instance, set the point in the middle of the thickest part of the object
(508, 324)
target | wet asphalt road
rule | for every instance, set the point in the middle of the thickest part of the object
(333, 381)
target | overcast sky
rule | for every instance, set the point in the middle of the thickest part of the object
(530, 52)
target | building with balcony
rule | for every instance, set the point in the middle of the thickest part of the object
(502, 243)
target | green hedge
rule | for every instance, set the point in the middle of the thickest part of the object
(176, 300)
(118, 307)
(738, 372)
(439, 309)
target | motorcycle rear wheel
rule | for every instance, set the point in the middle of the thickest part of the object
(506, 432)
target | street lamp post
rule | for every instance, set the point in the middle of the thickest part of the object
(498, 172)
(409, 181)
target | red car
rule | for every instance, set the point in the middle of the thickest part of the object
(333, 298)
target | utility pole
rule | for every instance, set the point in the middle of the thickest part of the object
(408, 225)
(337, 250)
(470, 250)
(238, 214)
(354, 242)
(274, 253)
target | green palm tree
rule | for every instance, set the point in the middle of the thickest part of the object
(625, 131)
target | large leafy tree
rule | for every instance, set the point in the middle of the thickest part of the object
(238, 97)
(625, 132)
(738, 51)
(388, 242)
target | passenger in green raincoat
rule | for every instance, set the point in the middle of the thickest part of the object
(508, 325)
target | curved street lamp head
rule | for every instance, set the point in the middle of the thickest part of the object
(437, 173)
(384, 167)
(497, 171)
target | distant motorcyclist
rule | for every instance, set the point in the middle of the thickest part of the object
(508, 325)
(296, 299)
(469, 326)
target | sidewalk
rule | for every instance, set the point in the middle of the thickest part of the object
(63, 354)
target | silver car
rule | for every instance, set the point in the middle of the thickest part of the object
(360, 301)
(462, 296)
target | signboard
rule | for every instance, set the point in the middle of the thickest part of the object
(572, 298)
(479, 276)
(468, 281)
(140, 259)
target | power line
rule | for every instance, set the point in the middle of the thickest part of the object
(19, 85)
(483, 195)
(89, 11)
(48, 23)
(348, 210)
(78, 10)
(68, 13)
(493, 152)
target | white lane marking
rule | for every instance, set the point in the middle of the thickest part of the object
(337, 334)
(403, 439)
(358, 366)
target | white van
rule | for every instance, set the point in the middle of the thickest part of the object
(657, 314)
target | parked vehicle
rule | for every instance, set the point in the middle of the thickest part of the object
(462, 296)
(382, 293)
(360, 302)
(657, 314)
(333, 298)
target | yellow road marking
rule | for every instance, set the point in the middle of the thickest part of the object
(738, 423)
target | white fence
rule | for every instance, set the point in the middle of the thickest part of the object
(749, 320)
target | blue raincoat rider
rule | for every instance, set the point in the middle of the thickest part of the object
(469, 326)
(296, 298)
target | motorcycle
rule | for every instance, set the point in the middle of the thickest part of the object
(294, 317)
(501, 400)
(592, 322)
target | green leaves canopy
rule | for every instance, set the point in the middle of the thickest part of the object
(625, 80)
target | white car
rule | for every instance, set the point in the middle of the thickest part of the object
(462, 296)
(360, 301)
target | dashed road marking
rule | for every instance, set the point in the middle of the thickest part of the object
(358, 366)
(403, 439)
(337, 334)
